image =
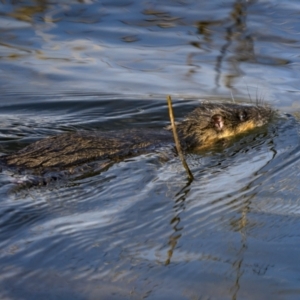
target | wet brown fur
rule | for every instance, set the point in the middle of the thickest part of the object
(202, 127)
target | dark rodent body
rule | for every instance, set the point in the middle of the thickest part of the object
(202, 127)
(71, 149)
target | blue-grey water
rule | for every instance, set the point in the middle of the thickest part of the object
(141, 229)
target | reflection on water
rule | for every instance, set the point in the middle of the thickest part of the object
(181, 47)
(141, 229)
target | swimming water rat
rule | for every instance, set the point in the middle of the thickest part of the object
(208, 123)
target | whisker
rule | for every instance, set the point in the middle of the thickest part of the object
(232, 97)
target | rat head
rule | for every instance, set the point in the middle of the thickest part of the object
(213, 121)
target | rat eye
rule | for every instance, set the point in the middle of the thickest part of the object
(242, 116)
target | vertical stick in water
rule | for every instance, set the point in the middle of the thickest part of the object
(176, 139)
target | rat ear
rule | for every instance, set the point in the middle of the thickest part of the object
(217, 121)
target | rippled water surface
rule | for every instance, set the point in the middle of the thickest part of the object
(140, 229)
